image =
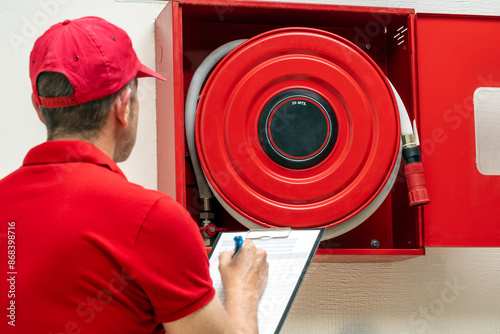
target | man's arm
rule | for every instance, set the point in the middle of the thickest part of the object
(244, 277)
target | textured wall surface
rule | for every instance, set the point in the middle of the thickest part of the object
(449, 290)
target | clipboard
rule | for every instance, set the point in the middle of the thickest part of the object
(289, 253)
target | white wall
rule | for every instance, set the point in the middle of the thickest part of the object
(449, 290)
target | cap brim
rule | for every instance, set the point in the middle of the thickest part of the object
(145, 71)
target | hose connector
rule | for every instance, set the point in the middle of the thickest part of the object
(414, 173)
(207, 217)
(206, 204)
(415, 180)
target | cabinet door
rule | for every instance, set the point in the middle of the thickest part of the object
(456, 56)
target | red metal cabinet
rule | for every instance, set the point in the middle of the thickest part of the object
(435, 62)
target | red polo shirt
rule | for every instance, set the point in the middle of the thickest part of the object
(94, 253)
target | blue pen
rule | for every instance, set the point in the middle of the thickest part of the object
(238, 240)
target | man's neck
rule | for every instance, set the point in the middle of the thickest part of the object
(103, 145)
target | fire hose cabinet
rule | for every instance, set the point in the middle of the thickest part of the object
(377, 124)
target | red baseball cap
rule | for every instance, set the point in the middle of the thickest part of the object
(96, 56)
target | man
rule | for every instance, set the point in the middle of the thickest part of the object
(88, 251)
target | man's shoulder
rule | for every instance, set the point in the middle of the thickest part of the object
(125, 191)
(99, 179)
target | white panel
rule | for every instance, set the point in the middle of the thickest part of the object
(487, 125)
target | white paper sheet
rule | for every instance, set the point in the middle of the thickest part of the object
(288, 260)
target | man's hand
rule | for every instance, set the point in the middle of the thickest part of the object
(246, 270)
(244, 276)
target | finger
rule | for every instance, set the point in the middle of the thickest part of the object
(246, 251)
(262, 253)
(260, 256)
(225, 257)
(248, 244)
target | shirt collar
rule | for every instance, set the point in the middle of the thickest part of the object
(69, 151)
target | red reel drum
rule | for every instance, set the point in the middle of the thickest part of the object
(298, 128)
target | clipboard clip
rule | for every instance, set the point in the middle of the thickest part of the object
(268, 233)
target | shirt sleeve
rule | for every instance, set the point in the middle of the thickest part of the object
(170, 262)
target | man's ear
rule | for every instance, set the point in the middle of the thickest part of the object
(37, 108)
(121, 107)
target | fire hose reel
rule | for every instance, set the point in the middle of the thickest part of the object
(296, 127)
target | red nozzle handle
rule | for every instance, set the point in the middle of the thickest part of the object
(417, 191)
